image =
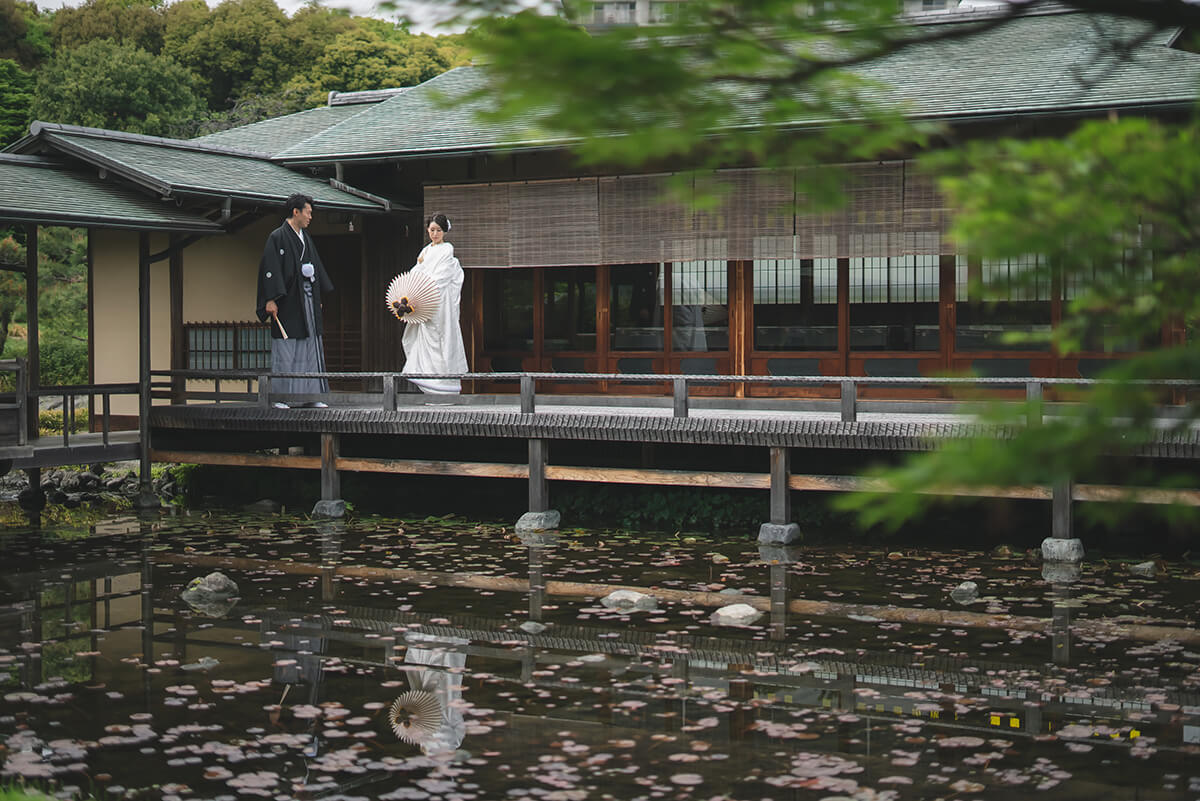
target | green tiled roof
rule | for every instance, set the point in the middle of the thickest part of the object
(274, 135)
(45, 191)
(173, 167)
(1037, 64)
(413, 123)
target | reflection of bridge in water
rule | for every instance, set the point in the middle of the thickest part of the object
(759, 678)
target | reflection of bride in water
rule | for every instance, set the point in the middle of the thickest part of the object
(441, 730)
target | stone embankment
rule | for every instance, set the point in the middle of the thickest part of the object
(115, 484)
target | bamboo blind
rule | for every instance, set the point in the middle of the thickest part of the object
(642, 221)
(481, 230)
(890, 210)
(926, 217)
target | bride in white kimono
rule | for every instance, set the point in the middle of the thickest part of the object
(437, 346)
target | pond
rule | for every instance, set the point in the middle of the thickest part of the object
(379, 658)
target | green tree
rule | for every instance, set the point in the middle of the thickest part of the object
(235, 50)
(725, 83)
(24, 33)
(12, 284)
(62, 302)
(108, 85)
(309, 31)
(245, 110)
(181, 21)
(362, 59)
(16, 99)
(139, 23)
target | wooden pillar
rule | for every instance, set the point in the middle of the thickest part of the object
(779, 530)
(947, 318)
(1063, 524)
(603, 320)
(331, 482)
(146, 596)
(1033, 396)
(144, 359)
(33, 367)
(779, 601)
(781, 499)
(527, 394)
(668, 313)
(537, 584)
(477, 323)
(849, 402)
(1060, 625)
(539, 493)
(740, 322)
(843, 317)
(91, 332)
(178, 343)
(680, 394)
(539, 320)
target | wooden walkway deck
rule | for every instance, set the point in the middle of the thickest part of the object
(86, 448)
(711, 421)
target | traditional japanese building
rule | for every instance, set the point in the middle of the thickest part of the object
(577, 271)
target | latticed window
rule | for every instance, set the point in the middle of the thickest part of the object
(508, 317)
(569, 309)
(795, 301)
(1136, 272)
(227, 346)
(893, 298)
(1002, 302)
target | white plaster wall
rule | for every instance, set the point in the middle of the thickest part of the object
(220, 284)
(115, 311)
(220, 275)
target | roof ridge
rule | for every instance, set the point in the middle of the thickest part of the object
(360, 96)
(32, 161)
(368, 108)
(37, 127)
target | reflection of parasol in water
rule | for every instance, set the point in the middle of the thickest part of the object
(413, 297)
(416, 716)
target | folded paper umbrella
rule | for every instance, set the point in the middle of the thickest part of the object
(413, 297)
(416, 716)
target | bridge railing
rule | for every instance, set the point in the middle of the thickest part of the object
(70, 393)
(258, 385)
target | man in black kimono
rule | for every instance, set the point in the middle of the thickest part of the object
(291, 279)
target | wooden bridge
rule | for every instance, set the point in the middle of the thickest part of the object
(227, 418)
(233, 422)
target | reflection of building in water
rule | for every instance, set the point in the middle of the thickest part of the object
(768, 679)
(444, 657)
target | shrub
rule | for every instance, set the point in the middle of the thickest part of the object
(50, 421)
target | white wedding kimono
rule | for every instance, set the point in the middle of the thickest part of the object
(437, 346)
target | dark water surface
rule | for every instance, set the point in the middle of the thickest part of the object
(863, 678)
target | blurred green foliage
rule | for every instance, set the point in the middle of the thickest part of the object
(1108, 205)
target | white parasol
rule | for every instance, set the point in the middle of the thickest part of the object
(413, 297)
(416, 716)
